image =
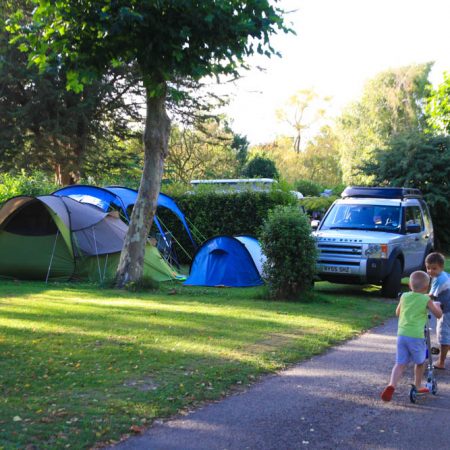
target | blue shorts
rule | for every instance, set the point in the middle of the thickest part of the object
(410, 349)
(443, 329)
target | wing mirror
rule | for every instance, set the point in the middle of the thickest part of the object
(413, 228)
(315, 224)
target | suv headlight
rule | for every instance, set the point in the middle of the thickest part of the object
(377, 251)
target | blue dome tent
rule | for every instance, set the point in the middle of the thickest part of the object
(226, 261)
(129, 196)
(121, 198)
(102, 198)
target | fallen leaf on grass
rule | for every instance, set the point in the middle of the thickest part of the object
(137, 429)
(45, 420)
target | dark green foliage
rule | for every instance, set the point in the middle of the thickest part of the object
(338, 189)
(260, 167)
(391, 105)
(291, 253)
(240, 146)
(308, 188)
(45, 127)
(423, 162)
(438, 106)
(318, 205)
(228, 213)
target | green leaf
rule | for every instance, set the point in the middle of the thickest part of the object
(23, 47)
(73, 82)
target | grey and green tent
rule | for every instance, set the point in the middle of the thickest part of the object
(58, 238)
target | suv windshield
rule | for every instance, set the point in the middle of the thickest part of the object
(363, 217)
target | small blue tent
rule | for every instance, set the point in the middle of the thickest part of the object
(225, 261)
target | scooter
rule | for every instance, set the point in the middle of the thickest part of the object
(431, 382)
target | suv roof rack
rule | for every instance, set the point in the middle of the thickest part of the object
(381, 192)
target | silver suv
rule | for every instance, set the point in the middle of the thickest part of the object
(374, 236)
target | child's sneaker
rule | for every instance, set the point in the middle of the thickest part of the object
(387, 394)
(423, 390)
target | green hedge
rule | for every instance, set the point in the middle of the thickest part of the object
(228, 213)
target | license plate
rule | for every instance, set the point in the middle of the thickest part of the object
(336, 269)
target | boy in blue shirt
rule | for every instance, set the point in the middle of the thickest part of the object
(440, 291)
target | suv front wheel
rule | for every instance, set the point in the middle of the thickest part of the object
(392, 283)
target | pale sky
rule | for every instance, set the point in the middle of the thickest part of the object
(340, 44)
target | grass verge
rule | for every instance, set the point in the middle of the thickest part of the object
(82, 366)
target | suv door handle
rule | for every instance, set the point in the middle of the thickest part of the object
(416, 239)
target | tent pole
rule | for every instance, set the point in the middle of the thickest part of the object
(196, 232)
(96, 254)
(51, 258)
(176, 240)
(104, 268)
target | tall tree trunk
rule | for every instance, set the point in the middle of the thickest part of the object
(156, 138)
(63, 177)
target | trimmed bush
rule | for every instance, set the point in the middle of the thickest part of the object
(291, 253)
(308, 188)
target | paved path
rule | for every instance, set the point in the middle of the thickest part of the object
(329, 402)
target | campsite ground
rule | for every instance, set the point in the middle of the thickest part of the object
(82, 365)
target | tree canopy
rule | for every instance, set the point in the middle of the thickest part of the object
(204, 151)
(302, 110)
(420, 161)
(391, 104)
(45, 126)
(167, 39)
(438, 106)
(260, 167)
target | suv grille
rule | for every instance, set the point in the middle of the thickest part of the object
(332, 253)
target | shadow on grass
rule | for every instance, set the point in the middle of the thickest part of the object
(355, 290)
(175, 316)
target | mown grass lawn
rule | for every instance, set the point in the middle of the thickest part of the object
(81, 366)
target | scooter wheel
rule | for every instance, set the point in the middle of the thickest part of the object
(413, 394)
(434, 387)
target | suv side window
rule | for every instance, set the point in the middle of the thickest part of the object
(426, 215)
(413, 216)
